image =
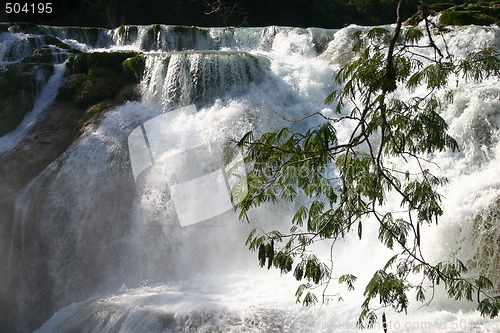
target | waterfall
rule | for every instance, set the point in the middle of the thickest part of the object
(45, 97)
(186, 77)
(102, 239)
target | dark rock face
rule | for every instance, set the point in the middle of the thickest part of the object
(486, 259)
(19, 85)
(42, 144)
(51, 240)
(24, 256)
(99, 76)
(52, 51)
(96, 83)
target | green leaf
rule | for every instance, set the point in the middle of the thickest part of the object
(298, 273)
(390, 262)
(270, 253)
(310, 299)
(417, 235)
(489, 307)
(377, 32)
(348, 280)
(300, 291)
(331, 97)
(420, 295)
(367, 316)
(250, 237)
(413, 35)
(480, 65)
(262, 254)
(347, 182)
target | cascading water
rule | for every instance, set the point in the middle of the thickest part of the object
(45, 97)
(94, 251)
(171, 82)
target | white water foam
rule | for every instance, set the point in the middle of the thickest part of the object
(203, 279)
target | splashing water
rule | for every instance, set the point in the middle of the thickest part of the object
(44, 98)
(98, 253)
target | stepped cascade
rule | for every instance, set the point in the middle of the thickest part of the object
(115, 210)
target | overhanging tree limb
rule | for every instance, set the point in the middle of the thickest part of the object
(283, 164)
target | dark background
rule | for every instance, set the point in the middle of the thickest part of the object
(301, 13)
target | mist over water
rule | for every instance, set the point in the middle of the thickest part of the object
(98, 251)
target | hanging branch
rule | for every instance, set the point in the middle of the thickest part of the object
(284, 164)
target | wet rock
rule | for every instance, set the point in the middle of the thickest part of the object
(83, 98)
(19, 85)
(54, 51)
(49, 138)
(100, 76)
(486, 234)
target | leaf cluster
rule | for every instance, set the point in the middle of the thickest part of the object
(347, 182)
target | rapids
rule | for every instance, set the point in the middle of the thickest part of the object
(91, 250)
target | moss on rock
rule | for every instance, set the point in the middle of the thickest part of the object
(86, 62)
(53, 51)
(456, 17)
(42, 56)
(99, 76)
(134, 66)
(128, 33)
(72, 85)
(166, 60)
(441, 6)
(51, 40)
(84, 90)
(155, 29)
(480, 13)
(91, 114)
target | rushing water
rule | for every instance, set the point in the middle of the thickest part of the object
(98, 252)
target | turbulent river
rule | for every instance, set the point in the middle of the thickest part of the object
(130, 228)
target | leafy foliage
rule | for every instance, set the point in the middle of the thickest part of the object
(284, 165)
